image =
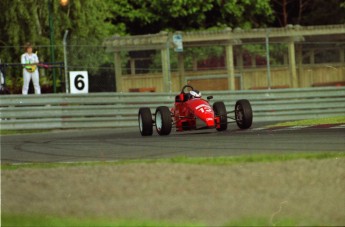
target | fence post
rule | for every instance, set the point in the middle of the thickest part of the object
(64, 42)
(181, 68)
(292, 64)
(118, 71)
(230, 66)
(166, 66)
(268, 63)
(300, 64)
(51, 28)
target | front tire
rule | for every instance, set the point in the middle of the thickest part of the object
(220, 110)
(163, 120)
(145, 121)
(243, 114)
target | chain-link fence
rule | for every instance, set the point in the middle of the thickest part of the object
(93, 59)
(319, 62)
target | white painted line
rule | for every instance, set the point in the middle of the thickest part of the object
(257, 129)
(300, 127)
(339, 126)
(281, 129)
(291, 128)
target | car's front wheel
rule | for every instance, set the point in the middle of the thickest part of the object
(220, 110)
(145, 121)
(243, 114)
(163, 120)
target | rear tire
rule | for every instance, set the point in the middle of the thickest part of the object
(243, 114)
(163, 120)
(145, 121)
(220, 110)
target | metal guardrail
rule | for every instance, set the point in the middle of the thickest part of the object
(62, 111)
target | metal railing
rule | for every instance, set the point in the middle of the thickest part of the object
(63, 111)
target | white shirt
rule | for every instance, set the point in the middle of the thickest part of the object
(2, 79)
(29, 58)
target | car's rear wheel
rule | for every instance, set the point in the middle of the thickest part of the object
(145, 121)
(243, 114)
(163, 120)
(220, 110)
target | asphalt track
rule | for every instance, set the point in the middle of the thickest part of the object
(127, 143)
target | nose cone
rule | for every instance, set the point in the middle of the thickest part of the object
(203, 111)
(205, 120)
(205, 114)
(210, 122)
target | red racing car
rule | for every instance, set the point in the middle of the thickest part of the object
(192, 112)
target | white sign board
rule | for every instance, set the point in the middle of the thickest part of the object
(178, 43)
(79, 82)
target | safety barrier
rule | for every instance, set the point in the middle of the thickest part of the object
(62, 111)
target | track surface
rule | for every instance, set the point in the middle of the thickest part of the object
(119, 144)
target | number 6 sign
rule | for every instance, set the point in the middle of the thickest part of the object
(79, 82)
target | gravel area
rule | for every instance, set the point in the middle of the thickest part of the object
(312, 191)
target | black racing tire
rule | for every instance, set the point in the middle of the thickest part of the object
(220, 110)
(163, 121)
(243, 114)
(145, 121)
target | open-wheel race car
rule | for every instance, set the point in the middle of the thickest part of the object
(192, 112)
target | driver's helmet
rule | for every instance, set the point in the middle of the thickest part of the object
(195, 94)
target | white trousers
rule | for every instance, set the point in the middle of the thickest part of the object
(35, 80)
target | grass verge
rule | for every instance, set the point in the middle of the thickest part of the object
(26, 221)
(311, 122)
(231, 160)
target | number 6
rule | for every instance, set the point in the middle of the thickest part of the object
(79, 82)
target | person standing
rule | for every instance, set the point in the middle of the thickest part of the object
(29, 61)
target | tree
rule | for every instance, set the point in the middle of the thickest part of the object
(319, 12)
(308, 12)
(240, 13)
(28, 21)
(24, 21)
(153, 16)
(282, 11)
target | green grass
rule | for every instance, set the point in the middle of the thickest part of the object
(23, 131)
(34, 220)
(311, 122)
(231, 160)
(26, 221)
